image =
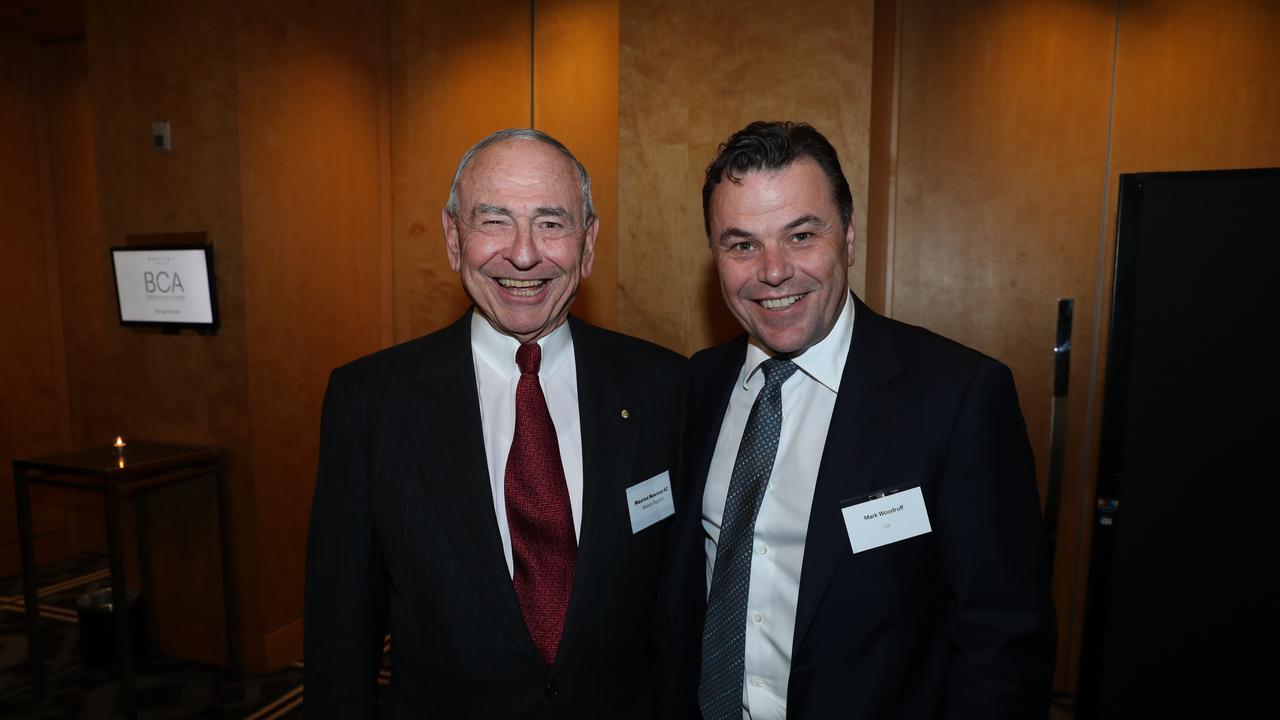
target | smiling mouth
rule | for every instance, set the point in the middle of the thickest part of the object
(522, 288)
(780, 303)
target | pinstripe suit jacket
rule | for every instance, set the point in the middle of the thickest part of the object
(404, 539)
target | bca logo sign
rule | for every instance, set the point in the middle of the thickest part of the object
(162, 282)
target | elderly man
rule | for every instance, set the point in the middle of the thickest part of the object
(862, 538)
(492, 495)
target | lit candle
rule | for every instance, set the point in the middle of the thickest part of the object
(119, 444)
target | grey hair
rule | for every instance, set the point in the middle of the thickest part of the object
(588, 207)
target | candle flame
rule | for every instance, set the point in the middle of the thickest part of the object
(119, 443)
(120, 462)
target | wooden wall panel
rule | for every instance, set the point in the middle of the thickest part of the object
(68, 118)
(459, 71)
(148, 61)
(689, 75)
(310, 126)
(33, 413)
(1001, 154)
(575, 99)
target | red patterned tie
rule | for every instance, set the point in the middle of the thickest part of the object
(542, 539)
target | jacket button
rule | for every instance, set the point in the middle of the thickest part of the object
(551, 689)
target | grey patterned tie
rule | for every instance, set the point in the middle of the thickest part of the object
(724, 631)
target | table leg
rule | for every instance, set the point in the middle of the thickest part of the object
(30, 593)
(120, 599)
(142, 504)
(229, 598)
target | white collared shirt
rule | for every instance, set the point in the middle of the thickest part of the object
(494, 355)
(808, 399)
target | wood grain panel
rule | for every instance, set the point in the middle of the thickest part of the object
(308, 83)
(459, 71)
(690, 74)
(68, 119)
(1195, 89)
(33, 411)
(1001, 155)
(152, 60)
(575, 99)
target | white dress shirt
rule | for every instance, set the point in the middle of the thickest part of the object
(494, 355)
(808, 399)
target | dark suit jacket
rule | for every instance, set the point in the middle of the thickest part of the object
(956, 623)
(404, 539)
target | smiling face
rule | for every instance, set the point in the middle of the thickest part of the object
(782, 254)
(518, 239)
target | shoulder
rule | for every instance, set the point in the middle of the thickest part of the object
(635, 352)
(936, 366)
(393, 365)
(718, 359)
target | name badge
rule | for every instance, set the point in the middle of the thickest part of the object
(650, 501)
(896, 515)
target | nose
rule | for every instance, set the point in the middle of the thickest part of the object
(775, 266)
(523, 253)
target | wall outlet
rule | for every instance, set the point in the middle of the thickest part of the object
(160, 136)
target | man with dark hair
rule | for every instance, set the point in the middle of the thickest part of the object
(862, 536)
(493, 494)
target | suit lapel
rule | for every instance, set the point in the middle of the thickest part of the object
(608, 449)
(712, 391)
(861, 422)
(445, 425)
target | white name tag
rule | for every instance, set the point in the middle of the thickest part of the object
(650, 501)
(886, 519)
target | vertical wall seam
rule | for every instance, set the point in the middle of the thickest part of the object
(891, 224)
(37, 64)
(1095, 331)
(533, 60)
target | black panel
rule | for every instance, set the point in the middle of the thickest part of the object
(1181, 614)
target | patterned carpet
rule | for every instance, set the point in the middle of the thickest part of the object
(166, 687)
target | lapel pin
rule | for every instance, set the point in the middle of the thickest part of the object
(625, 413)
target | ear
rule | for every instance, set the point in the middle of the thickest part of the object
(589, 247)
(452, 242)
(849, 236)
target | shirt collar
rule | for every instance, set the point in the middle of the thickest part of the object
(498, 351)
(824, 361)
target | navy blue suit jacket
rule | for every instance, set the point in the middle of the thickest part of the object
(404, 540)
(957, 623)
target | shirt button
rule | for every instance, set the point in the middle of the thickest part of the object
(764, 548)
(758, 617)
(757, 681)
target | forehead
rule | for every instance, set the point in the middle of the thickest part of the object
(520, 171)
(800, 188)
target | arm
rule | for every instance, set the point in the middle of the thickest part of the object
(1001, 621)
(346, 596)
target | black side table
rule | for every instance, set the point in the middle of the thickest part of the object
(142, 467)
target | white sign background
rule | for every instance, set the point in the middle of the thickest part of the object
(148, 291)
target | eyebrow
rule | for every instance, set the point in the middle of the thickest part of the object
(553, 212)
(487, 209)
(804, 220)
(736, 233)
(739, 233)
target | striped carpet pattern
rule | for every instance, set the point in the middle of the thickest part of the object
(166, 687)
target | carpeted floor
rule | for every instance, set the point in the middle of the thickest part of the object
(166, 687)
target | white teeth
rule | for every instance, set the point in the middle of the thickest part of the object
(779, 303)
(508, 282)
(523, 288)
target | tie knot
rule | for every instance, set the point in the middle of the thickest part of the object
(777, 370)
(528, 358)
